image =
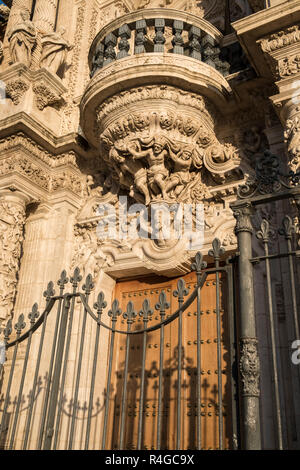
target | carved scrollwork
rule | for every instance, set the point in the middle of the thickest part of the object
(249, 367)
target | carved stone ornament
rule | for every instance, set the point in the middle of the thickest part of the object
(289, 66)
(243, 215)
(292, 137)
(249, 367)
(1, 51)
(281, 39)
(158, 141)
(12, 218)
(44, 96)
(16, 89)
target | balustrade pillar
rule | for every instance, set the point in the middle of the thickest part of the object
(141, 30)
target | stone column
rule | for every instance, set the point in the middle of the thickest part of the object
(249, 368)
(44, 15)
(12, 220)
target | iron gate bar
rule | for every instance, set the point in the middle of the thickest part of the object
(287, 231)
(32, 316)
(113, 313)
(232, 351)
(146, 312)
(162, 305)
(56, 376)
(257, 259)
(54, 345)
(74, 280)
(88, 286)
(36, 373)
(20, 325)
(264, 234)
(129, 314)
(199, 266)
(216, 253)
(99, 305)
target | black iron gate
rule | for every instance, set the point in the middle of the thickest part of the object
(59, 382)
(22, 415)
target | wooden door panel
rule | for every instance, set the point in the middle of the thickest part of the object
(137, 291)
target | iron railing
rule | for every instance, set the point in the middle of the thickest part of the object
(52, 409)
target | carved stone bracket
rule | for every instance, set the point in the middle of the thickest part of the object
(16, 89)
(249, 367)
(44, 96)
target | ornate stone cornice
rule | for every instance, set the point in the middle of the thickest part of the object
(284, 38)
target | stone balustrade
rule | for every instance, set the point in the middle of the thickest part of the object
(158, 31)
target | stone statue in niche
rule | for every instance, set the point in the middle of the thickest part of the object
(22, 39)
(54, 51)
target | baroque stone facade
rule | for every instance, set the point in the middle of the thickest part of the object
(156, 101)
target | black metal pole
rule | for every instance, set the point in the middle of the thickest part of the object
(249, 367)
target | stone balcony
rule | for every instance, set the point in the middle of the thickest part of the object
(153, 47)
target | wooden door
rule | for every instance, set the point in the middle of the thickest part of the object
(136, 291)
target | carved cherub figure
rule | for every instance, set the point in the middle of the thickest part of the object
(22, 39)
(123, 165)
(182, 165)
(155, 155)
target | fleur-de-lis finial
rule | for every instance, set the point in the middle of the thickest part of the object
(20, 325)
(63, 280)
(288, 228)
(162, 304)
(7, 330)
(199, 264)
(88, 286)
(76, 278)
(130, 313)
(100, 304)
(181, 291)
(115, 311)
(49, 292)
(146, 311)
(34, 314)
(265, 231)
(217, 250)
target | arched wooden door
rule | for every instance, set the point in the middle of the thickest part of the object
(151, 287)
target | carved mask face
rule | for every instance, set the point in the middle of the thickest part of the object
(157, 148)
(186, 154)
